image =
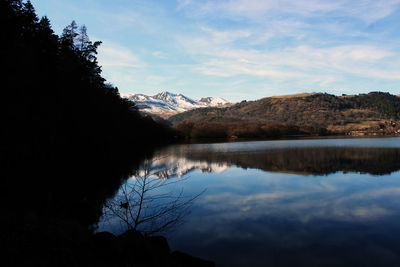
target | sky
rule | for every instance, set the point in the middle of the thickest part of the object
(240, 49)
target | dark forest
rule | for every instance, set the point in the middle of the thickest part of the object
(68, 141)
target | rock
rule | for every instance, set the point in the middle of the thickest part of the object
(159, 244)
(180, 259)
(133, 248)
(105, 247)
(160, 250)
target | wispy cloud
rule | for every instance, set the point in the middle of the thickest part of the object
(160, 54)
(223, 37)
(120, 65)
(223, 58)
(364, 205)
(367, 10)
(114, 55)
(242, 48)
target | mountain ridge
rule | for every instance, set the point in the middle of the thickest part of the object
(166, 104)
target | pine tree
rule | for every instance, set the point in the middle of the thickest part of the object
(69, 34)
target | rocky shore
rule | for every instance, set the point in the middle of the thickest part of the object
(68, 244)
(133, 249)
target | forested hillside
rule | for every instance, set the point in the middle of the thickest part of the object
(67, 142)
(334, 113)
(54, 99)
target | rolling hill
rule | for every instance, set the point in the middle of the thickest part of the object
(373, 111)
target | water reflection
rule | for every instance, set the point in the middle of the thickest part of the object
(142, 203)
(290, 204)
(307, 161)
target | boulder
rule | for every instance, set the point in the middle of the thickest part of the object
(180, 259)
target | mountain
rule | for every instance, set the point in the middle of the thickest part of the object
(213, 101)
(178, 166)
(374, 110)
(166, 104)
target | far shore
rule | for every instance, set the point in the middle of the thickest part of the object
(287, 137)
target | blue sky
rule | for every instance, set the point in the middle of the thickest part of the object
(240, 49)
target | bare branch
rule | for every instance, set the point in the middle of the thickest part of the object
(150, 208)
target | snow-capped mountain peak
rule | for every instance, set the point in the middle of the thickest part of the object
(178, 99)
(165, 96)
(167, 103)
(213, 101)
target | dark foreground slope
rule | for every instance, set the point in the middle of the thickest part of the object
(337, 114)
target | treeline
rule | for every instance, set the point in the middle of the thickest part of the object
(54, 100)
(385, 103)
(245, 130)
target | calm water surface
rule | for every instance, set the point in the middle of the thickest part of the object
(330, 202)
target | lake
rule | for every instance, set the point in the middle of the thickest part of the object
(331, 202)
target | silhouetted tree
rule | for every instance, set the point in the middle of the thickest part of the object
(69, 34)
(143, 204)
(54, 99)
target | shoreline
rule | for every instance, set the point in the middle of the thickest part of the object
(291, 137)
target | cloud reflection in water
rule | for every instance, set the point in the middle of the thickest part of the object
(291, 205)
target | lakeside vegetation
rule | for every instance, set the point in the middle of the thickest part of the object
(245, 130)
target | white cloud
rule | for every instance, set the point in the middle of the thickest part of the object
(183, 3)
(367, 10)
(156, 80)
(359, 206)
(159, 54)
(113, 55)
(222, 37)
(217, 55)
(243, 48)
(121, 66)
